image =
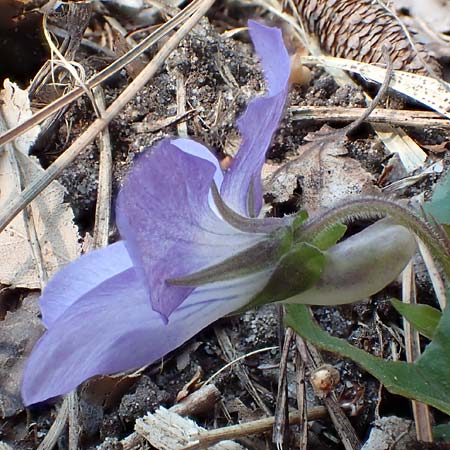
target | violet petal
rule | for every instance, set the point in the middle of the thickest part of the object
(242, 188)
(79, 277)
(113, 329)
(168, 225)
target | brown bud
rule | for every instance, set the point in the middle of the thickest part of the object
(300, 74)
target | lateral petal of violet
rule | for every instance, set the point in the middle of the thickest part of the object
(79, 277)
(113, 329)
(242, 188)
(168, 225)
(194, 148)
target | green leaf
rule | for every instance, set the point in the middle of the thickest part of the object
(423, 318)
(327, 238)
(439, 206)
(446, 229)
(298, 270)
(442, 432)
(427, 380)
(435, 360)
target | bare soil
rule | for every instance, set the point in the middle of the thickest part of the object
(221, 75)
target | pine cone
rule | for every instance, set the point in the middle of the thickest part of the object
(357, 29)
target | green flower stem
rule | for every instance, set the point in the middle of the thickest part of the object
(375, 208)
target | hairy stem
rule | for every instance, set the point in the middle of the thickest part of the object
(376, 208)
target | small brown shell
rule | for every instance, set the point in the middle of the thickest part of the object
(324, 379)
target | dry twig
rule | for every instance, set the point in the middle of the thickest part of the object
(100, 124)
(281, 412)
(255, 427)
(103, 206)
(228, 351)
(417, 119)
(301, 356)
(421, 412)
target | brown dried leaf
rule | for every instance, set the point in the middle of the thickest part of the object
(323, 174)
(15, 109)
(18, 333)
(192, 385)
(57, 235)
(53, 219)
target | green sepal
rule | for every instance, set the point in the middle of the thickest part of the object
(298, 270)
(327, 238)
(254, 259)
(423, 318)
(299, 219)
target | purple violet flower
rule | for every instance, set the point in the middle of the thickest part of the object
(115, 309)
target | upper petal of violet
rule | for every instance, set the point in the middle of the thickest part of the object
(168, 224)
(242, 188)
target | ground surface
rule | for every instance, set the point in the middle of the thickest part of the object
(221, 74)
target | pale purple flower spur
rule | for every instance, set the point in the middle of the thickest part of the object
(113, 309)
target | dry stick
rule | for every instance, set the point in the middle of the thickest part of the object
(74, 425)
(391, 116)
(181, 103)
(100, 124)
(348, 129)
(103, 206)
(301, 355)
(240, 371)
(281, 411)
(196, 403)
(207, 438)
(380, 95)
(57, 427)
(340, 421)
(97, 79)
(421, 412)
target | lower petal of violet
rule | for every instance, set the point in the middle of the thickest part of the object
(81, 276)
(113, 329)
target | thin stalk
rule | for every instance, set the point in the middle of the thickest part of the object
(376, 208)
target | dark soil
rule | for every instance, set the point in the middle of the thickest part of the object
(221, 75)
